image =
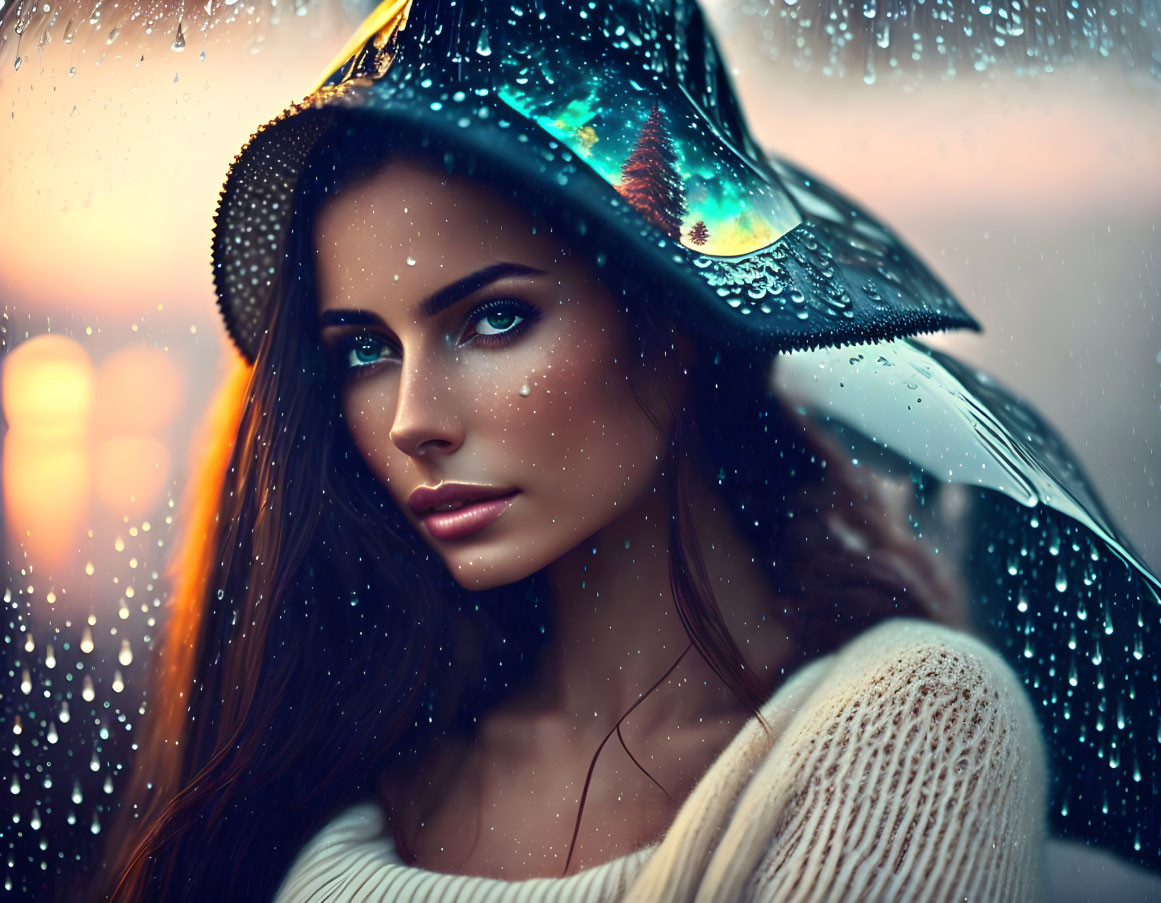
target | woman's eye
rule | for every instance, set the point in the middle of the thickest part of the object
(498, 321)
(364, 350)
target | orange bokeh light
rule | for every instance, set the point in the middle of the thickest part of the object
(48, 388)
(138, 389)
(47, 487)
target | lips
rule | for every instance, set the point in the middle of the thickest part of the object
(455, 510)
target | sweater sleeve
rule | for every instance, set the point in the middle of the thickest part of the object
(915, 772)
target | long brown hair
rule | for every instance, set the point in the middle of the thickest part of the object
(314, 641)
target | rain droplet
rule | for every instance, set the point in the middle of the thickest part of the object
(525, 391)
(411, 261)
(483, 48)
(179, 39)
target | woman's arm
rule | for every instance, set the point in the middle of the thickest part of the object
(914, 772)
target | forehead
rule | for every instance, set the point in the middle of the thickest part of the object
(410, 229)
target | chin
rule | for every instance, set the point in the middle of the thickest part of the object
(487, 568)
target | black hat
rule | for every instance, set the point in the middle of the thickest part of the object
(619, 111)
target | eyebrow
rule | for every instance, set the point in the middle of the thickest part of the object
(439, 301)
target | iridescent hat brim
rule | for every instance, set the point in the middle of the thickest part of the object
(654, 166)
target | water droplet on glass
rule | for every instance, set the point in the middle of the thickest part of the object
(483, 48)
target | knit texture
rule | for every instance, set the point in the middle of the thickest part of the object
(907, 766)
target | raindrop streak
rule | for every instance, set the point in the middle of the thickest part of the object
(179, 39)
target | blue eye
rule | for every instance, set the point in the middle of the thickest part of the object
(364, 350)
(498, 323)
(499, 320)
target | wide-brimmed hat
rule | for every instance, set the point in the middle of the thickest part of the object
(619, 111)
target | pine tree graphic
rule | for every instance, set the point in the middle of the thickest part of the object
(699, 234)
(650, 181)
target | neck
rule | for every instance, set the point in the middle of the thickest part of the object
(617, 629)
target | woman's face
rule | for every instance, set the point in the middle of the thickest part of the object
(487, 372)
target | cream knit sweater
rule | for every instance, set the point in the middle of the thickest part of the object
(907, 766)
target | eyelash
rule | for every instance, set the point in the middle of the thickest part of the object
(525, 312)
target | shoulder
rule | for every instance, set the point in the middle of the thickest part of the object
(932, 668)
(915, 696)
(912, 770)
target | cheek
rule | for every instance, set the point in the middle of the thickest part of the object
(583, 429)
(368, 411)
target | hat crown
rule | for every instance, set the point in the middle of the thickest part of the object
(636, 90)
(665, 42)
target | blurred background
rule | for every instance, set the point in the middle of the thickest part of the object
(1020, 156)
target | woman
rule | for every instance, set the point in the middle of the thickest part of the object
(505, 479)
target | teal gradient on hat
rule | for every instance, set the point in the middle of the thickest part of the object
(620, 113)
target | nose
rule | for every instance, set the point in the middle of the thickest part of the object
(426, 419)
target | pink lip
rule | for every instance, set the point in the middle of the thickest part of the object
(479, 506)
(467, 520)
